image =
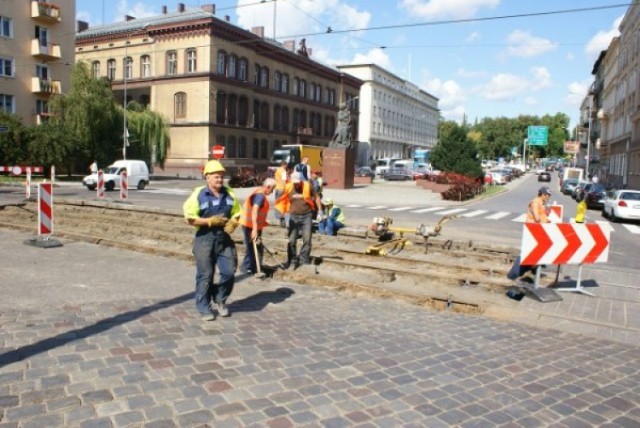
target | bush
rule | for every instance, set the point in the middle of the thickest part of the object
(462, 188)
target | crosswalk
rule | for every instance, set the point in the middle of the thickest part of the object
(488, 215)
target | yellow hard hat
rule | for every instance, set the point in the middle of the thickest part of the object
(212, 167)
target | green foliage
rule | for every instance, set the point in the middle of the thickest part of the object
(14, 148)
(455, 152)
(49, 145)
(148, 134)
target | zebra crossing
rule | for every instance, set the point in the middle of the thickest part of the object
(488, 215)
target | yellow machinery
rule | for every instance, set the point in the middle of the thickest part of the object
(381, 227)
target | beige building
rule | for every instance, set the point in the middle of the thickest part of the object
(218, 84)
(36, 55)
(396, 117)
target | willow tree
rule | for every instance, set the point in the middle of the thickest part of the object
(148, 134)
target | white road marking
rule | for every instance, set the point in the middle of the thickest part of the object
(474, 213)
(377, 207)
(498, 215)
(604, 224)
(520, 219)
(632, 228)
(167, 191)
(453, 211)
(401, 209)
(427, 210)
(353, 206)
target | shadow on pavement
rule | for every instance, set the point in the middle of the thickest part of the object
(260, 300)
(62, 339)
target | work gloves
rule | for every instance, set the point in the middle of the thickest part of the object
(231, 225)
(217, 221)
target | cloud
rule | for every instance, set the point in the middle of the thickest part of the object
(374, 56)
(523, 44)
(601, 40)
(576, 92)
(504, 87)
(541, 78)
(472, 37)
(454, 9)
(138, 10)
(449, 92)
(531, 101)
(463, 72)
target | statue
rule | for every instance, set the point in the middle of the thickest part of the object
(342, 135)
(302, 50)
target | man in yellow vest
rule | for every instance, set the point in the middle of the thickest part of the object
(253, 219)
(280, 177)
(333, 219)
(300, 201)
(212, 210)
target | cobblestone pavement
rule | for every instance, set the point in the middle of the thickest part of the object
(287, 356)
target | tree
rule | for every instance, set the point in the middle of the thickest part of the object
(148, 133)
(13, 142)
(49, 144)
(455, 152)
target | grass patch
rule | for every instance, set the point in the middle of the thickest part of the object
(492, 190)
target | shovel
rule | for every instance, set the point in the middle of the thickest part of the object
(280, 265)
(259, 273)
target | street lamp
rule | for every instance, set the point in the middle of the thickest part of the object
(589, 135)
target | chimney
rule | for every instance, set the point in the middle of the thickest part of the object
(289, 45)
(180, 7)
(164, 10)
(209, 8)
(81, 26)
(227, 18)
(258, 31)
(129, 18)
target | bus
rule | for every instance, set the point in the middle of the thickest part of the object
(421, 155)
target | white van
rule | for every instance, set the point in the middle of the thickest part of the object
(137, 173)
(405, 163)
(384, 164)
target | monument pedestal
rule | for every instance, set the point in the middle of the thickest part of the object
(338, 167)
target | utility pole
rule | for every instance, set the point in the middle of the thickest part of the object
(588, 160)
(125, 132)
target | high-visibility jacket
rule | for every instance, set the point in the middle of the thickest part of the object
(283, 204)
(537, 205)
(247, 209)
(581, 211)
(336, 214)
(281, 178)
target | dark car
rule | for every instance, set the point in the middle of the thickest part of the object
(365, 171)
(582, 191)
(568, 185)
(594, 197)
(401, 174)
(544, 176)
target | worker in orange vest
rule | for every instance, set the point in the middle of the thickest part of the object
(253, 219)
(300, 201)
(280, 177)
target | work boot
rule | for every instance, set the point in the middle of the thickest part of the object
(207, 317)
(223, 311)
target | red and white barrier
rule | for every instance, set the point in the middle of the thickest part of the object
(555, 213)
(124, 185)
(100, 185)
(27, 192)
(19, 170)
(45, 209)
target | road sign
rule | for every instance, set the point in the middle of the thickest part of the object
(217, 152)
(564, 243)
(537, 135)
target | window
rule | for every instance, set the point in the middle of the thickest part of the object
(296, 85)
(180, 105)
(95, 69)
(302, 92)
(231, 147)
(6, 103)
(243, 111)
(221, 107)
(172, 63)
(277, 81)
(285, 83)
(264, 146)
(6, 27)
(242, 147)
(42, 107)
(285, 119)
(42, 34)
(255, 148)
(145, 66)
(232, 69)
(232, 109)
(221, 67)
(111, 69)
(318, 93)
(264, 77)
(242, 69)
(191, 61)
(264, 116)
(256, 74)
(312, 91)
(42, 71)
(6, 67)
(128, 67)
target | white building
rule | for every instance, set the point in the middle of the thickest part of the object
(396, 117)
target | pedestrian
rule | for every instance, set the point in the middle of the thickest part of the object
(253, 219)
(93, 168)
(332, 219)
(281, 178)
(304, 168)
(299, 200)
(213, 210)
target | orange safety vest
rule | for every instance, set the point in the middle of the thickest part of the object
(542, 213)
(281, 178)
(283, 204)
(247, 208)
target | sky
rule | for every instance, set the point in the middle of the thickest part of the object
(481, 58)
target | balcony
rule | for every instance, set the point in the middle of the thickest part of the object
(49, 52)
(45, 86)
(45, 12)
(42, 118)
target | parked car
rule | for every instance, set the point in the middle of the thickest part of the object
(505, 173)
(575, 192)
(544, 176)
(594, 197)
(539, 169)
(568, 185)
(402, 174)
(622, 204)
(497, 178)
(137, 175)
(365, 171)
(582, 191)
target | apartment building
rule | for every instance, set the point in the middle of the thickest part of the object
(36, 55)
(218, 84)
(396, 117)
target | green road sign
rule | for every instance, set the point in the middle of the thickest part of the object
(537, 135)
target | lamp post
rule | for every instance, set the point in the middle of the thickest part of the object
(125, 132)
(588, 160)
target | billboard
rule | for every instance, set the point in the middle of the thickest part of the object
(571, 147)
